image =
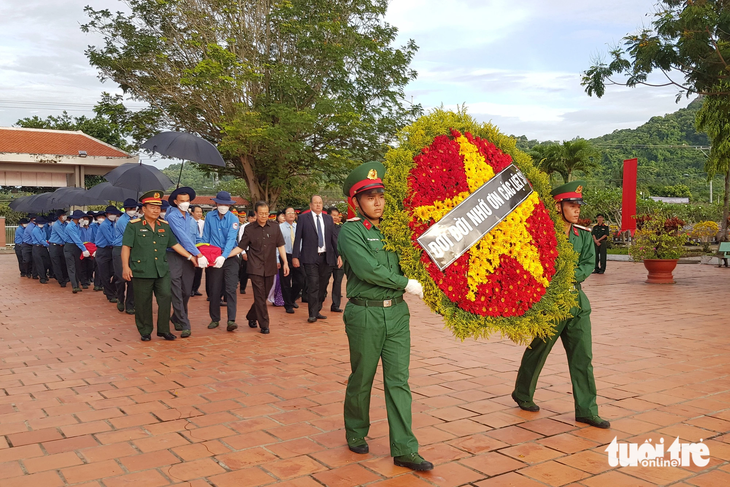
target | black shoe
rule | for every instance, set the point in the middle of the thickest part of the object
(243, 291)
(264, 331)
(336, 310)
(120, 306)
(167, 336)
(414, 461)
(311, 319)
(358, 445)
(252, 323)
(290, 311)
(178, 327)
(296, 305)
(130, 311)
(113, 300)
(526, 405)
(44, 281)
(320, 316)
(146, 338)
(76, 290)
(594, 421)
(63, 284)
(98, 288)
(231, 325)
(601, 272)
(35, 277)
(85, 286)
(196, 293)
(595, 271)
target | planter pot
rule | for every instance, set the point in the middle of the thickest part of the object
(660, 270)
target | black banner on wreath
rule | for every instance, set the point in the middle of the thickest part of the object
(461, 228)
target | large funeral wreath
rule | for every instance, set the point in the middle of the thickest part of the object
(518, 279)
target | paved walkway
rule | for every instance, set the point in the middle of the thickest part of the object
(84, 402)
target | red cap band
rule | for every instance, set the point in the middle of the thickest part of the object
(366, 183)
(565, 196)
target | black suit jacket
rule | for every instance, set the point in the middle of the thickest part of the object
(305, 239)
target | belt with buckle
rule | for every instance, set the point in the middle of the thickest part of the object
(58, 245)
(387, 303)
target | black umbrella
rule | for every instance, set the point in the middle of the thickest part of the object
(108, 191)
(65, 197)
(185, 146)
(27, 204)
(138, 177)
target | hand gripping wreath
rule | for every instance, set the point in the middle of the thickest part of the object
(516, 279)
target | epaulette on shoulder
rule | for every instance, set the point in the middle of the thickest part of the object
(163, 221)
(582, 228)
(354, 219)
(136, 220)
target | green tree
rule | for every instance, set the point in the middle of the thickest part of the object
(287, 89)
(689, 44)
(566, 158)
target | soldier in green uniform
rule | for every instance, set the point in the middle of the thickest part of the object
(376, 321)
(144, 262)
(600, 235)
(575, 332)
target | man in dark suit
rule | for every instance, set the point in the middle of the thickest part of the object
(315, 247)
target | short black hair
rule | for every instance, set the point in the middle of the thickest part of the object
(251, 213)
(334, 208)
(601, 215)
(258, 205)
(194, 207)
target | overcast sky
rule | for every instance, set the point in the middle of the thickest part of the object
(514, 62)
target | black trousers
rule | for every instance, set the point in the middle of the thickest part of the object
(28, 260)
(58, 263)
(601, 252)
(181, 285)
(19, 256)
(124, 289)
(105, 270)
(243, 274)
(41, 261)
(73, 264)
(337, 274)
(223, 282)
(259, 310)
(197, 279)
(318, 276)
(88, 265)
(292, 284)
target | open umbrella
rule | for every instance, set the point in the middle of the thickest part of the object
(185, 146)
(108, 191)
(65, 197)
(27, 204)
(138, 177)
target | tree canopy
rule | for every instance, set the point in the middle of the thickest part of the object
(293, 90)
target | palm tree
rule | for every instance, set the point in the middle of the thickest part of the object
(566, 158)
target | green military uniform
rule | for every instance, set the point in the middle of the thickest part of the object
(574, 332)
(602, 248)
(377, 324)
(150, 271)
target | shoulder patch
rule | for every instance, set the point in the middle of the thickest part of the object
(354, 219)
(582, 228)
(136, 220)
(366, 223)
(163, 221)
(235, 225)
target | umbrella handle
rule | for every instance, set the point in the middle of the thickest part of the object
(180, 176)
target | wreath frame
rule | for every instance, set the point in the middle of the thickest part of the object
(559, 298)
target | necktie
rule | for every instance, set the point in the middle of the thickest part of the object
(320, 235)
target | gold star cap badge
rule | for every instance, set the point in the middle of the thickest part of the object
(373, 174)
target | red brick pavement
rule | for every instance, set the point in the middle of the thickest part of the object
(84, 402)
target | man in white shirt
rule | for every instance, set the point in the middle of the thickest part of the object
(197, 213)
(292, 284)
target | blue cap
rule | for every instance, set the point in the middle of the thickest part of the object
(112, 210)
(130, 203)
(77, 214)
(224, 198)
(41, 220)
(165, 205)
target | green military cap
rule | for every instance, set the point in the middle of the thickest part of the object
(365, 177)
(153, 197)
(572, 191)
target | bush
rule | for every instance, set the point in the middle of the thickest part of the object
(660, 237)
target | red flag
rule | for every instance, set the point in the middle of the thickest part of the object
(628, 207)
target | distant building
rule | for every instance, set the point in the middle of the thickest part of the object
(54, 158)
(672, 200)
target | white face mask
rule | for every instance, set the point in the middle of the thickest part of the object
(63, 218)
(83, 223)
(184, 206)
(162, 214)
(223, 209)
(40, 226)
(132, 213)
(24, 225)
(112, 218)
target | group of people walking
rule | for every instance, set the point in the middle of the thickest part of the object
(161, 257)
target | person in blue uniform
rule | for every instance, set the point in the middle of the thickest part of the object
(86, 231)
(182, 274)
(41, 258)
(19, 244)
(125, 288)
(104, 260)
(74, 249)
(28, 248)
(56, 242)
(221, 230)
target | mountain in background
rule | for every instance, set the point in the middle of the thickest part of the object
(668, 165)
